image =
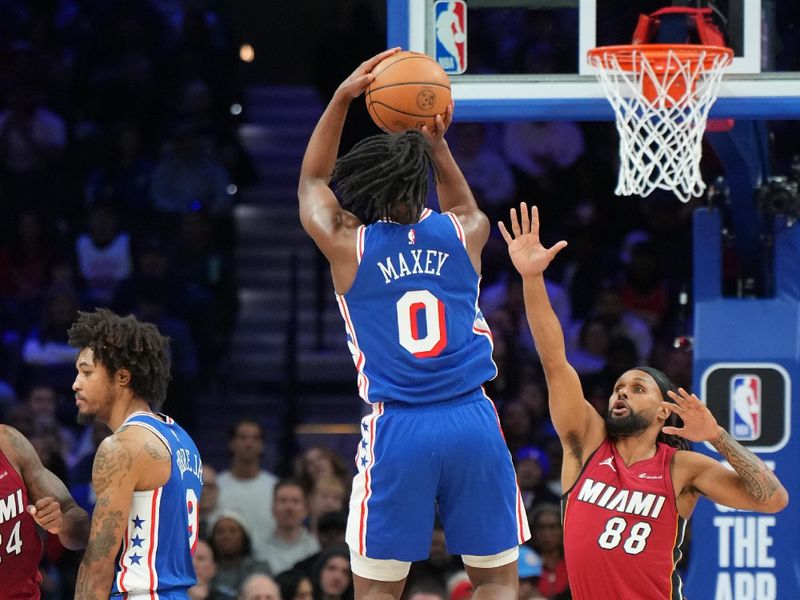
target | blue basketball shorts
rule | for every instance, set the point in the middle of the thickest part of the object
(414, 458)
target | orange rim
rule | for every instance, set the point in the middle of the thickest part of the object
(629, 57)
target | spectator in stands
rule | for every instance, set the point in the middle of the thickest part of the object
(540, 152)
(517, 425)
(440, 565)
(530, 568)
(548, 541)
(591, 352)
(259, 587)
(43, 401)
(486, 169)
(209, 500)
(328, 495)
(290, 541)
(619, 321)
(230, 541)
(104, 255)
(206, 287)
(295, 585)
(46, 355)
(124, 175)
(25, 259)
(187, 177)
(245, 480)
(205, 569)
(332, 578)
(331, 530)
(426, 590)
(317, 462)
(32, 142)
(644, 290)
(532, 466)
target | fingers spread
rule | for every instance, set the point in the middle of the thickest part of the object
(515, 223)
(504, 232)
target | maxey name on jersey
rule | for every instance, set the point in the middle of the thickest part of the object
(422, 262)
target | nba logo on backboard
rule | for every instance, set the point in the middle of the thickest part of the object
(745, 402)
(450, 18)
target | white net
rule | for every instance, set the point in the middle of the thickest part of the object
(661, 109)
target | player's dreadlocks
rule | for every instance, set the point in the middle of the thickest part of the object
(125, 343)
(383, 172)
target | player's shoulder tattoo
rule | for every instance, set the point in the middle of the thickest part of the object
(112, 461)
(156, 450)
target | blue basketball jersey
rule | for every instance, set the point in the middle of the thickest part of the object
(412, 318)
(161, 534)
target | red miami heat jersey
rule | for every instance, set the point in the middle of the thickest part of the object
(20, 544)
(622, 531)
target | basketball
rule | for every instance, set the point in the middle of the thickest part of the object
(408, 91)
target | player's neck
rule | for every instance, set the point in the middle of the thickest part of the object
(124, 407)
(635, 448)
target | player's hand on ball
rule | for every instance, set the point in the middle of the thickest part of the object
(357, 82)
(47, 514)
(442, 124)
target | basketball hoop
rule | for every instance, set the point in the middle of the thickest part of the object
(661, 95)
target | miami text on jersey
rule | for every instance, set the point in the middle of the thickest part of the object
(624, 501)
(11, 506)
(428, 262)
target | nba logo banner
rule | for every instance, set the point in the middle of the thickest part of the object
(745, 407)
(450, 18)
(752, 401)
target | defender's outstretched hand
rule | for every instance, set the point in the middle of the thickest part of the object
(357, 82)
(699, 425)
(527, 253)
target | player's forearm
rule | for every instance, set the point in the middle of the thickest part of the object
(94, 581)
(759, 481)
(451, 187)
(543, 322)
(323, 147)
(75, 532)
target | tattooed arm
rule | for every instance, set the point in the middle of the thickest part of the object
(114, 479)
(750, 486)
(53, 508)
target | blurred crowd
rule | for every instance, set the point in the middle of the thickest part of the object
(119, 169)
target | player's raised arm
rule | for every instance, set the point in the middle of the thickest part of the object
(578, 425)
(751, 485)
(320, 212)
(454, 193)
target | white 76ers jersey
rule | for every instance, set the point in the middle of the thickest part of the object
(155, 560)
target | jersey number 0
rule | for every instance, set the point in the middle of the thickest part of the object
(411, 307)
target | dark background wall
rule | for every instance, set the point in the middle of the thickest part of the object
(289, 35)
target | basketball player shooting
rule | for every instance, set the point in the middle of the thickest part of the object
(406, 280)
(631, 482)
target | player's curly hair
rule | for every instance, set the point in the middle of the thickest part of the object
(125, 343)
(385, 171)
